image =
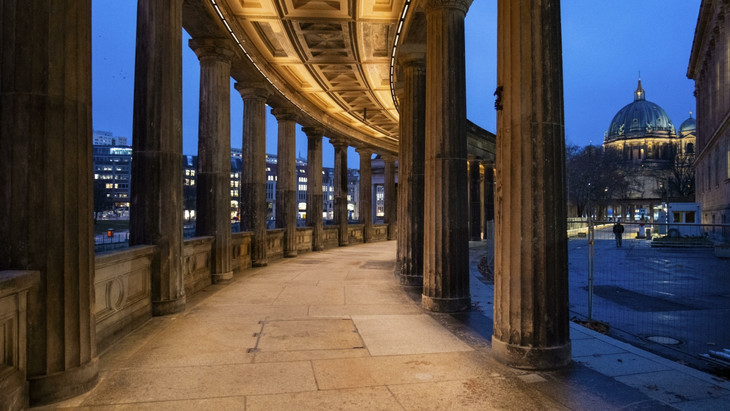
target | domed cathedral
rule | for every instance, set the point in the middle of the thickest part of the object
(642, 132)
(645, 139)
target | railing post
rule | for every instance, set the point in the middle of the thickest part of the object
(591, 238)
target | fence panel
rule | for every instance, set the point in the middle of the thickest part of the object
(672, 291)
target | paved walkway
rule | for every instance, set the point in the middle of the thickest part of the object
(332, 330)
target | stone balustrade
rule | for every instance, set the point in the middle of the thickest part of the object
(356, 233)
(330, 236)
(275, 244)
(241, 255)
(197, 263)
(380, 232)
(122, 289)
(304, 239)
(14, 289)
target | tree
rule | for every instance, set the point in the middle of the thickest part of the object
(594, 178)
(679, 183)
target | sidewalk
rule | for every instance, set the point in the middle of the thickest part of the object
(333, 330)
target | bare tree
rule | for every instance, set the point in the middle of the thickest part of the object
(679, 183)
(594, 178)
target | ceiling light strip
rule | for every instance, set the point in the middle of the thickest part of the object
(401, 22)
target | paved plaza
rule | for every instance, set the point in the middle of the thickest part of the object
(333, 330)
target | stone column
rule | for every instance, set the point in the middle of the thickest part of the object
(488, 199)
(391, 197)
(213, 202)
(341, 190)
(253, 175)
(412, 106)
(156, 210)
(446, 242)
(314, 186)
(46, 188)
(475, 202)
(531, 260)
(286, 185)
(366, 192)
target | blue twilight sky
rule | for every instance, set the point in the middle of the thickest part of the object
(605, 46)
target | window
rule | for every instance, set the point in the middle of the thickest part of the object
(689, 217)
(727, 165)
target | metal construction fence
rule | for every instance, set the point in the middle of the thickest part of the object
(670, 289)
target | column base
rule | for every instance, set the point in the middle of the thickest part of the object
(343, 244)
(445, 305)
(221, 278)
(259, 263)
(167, 307)
(290, 254)
(531, 358)
(62, 385)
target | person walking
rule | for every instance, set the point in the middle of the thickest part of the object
(618, 231)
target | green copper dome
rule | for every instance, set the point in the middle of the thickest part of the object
(688, 126)
(640, 119)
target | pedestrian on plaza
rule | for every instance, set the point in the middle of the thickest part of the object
(618, 231)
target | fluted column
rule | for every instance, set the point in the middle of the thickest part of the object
(446, 242)
(314, 185)
(412, 106)
(391, 197)
(488, 199)
(156, 211)
(531, 260)
(46, 189)
(366, 190)
(286, 184)
(213, 202)
(475, 202)
(253, 175)
(341, 190)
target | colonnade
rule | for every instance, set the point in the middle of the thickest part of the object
(528, 198)
(531, 316)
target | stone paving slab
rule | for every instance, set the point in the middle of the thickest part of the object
(193, 383)
(358, 399)
(484, 393)
(406, 334)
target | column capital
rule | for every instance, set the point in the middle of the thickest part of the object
(388, 157)
(211, 48)
(415, 59)
(285, 114)
(313, 131)
(462, 5)
(253, 90)
(339, 143)
(364, 151)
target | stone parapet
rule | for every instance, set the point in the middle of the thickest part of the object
(14, 289)
(122, 290)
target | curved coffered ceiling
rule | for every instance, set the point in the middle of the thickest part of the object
(333, 53)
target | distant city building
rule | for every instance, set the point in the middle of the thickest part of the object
(112, 166)
(643, 136)
(112, 173)
(106, 138)
(189, 184)
(709, 67)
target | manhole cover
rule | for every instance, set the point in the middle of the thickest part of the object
(663, 340)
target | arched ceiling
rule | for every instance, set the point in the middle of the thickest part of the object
(335, 54)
